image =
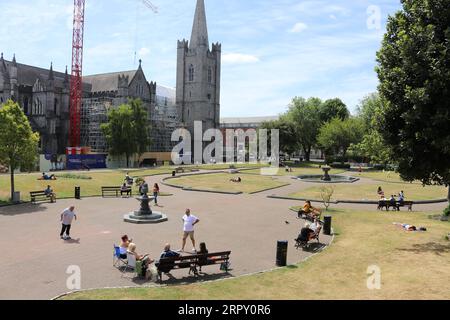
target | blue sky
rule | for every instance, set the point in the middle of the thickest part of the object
(272, 50)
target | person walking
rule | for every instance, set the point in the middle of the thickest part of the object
(189, 221)
(67, 217)
(156, 193)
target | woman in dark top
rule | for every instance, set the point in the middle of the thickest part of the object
(306, 234)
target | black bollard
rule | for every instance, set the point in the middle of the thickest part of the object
(282, 247)
(77, 193)
(327, 225)
(173, 173)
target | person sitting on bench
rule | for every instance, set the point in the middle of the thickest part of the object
(168, 253)
(401, 198)
(393, 203)
(49, 193)
(309, 211)
(125, 190)
(306, 234)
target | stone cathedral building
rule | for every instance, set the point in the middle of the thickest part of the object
(198, 76)
(44, 95)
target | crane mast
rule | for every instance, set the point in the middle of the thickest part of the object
(76, 84)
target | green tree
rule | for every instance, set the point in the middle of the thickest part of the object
(336, 136)
(304, 114)
(333, 108)
(18, 143)
(414, 73)
(127, 130)
(369, 111)
(141, 125)
(288, 137)
(373, 148)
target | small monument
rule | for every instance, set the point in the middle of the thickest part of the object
(145, 215)
(326, 173)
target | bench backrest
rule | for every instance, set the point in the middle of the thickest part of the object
(38, 193)
(111, 188)
(193, 258)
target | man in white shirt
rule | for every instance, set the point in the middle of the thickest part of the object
(67, 217)
(189, 222)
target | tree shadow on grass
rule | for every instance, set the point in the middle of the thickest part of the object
(430, 247)
(21, 209)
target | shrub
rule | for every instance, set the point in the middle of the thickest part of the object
(337, 165)
(447, 211)
(73, 176)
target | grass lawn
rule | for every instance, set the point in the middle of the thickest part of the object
(64, 187)
(413, 192)
(386, 176)
(299, 171)
(221, 182)
(413, 266)
(226, 166)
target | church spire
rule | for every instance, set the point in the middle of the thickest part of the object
(50, 74)
(199, 35)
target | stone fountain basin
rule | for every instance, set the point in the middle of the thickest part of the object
(334, 179)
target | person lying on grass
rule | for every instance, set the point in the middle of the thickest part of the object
(408, 227)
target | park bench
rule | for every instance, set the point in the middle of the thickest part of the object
(386, 204)
(116, 191)
(39, 196)
(193, 262)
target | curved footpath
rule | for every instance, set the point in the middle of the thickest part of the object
(35, 265)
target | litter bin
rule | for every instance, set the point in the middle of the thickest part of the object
(282, 247)
(173, 173)
(16, 197)
(77, 193)
(327, 225)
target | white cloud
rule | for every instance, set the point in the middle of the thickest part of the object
(237, 58)
(298, 27)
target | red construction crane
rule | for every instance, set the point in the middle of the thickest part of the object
(76, 84)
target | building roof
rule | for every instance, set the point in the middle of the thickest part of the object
(107, 82)
(164, 91)
(27, 75)
(248, 120)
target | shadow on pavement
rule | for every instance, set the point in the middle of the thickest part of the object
(21, 209)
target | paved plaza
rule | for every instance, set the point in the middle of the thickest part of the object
(35, 260)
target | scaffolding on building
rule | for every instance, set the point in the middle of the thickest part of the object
(94, 113)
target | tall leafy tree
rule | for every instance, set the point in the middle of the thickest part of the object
(304, 114)
(141, 125)
(414, 73)
(127, 130)
(336, 136)
(288, 137)
(18, 143)
(333, 108)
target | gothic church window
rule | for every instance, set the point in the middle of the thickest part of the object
(191, 72)
(209, 75)
(25, 105)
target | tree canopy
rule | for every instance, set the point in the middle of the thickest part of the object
(333, 108)
(127, 131)
(414, 73)
(18, 143)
